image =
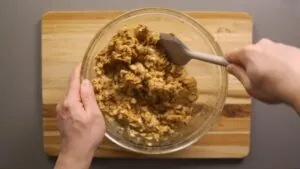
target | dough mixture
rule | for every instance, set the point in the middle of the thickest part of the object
(139, 88)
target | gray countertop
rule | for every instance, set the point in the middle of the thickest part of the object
(275, 134)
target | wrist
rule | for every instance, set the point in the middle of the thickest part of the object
(76, 155)
(72, 158)
(293, 100)
(290, 89)
(296, 104)
(76, 149)
(294, 88)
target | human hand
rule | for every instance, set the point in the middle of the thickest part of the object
(80, 123)
(268, 70)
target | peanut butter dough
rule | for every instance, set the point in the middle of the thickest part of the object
(138, 87)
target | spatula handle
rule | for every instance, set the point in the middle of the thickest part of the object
(208, 58)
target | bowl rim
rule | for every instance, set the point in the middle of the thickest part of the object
(220, 105)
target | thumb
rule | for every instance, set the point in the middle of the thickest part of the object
(88, 96)
(241, 75)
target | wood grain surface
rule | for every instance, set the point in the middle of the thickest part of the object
(65, 37)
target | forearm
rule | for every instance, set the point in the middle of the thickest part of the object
(73, 160)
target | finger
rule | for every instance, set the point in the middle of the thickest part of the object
(58, 108)
(74, 85)
(264, 42)
(88, 97)
(241, 75)
(237, 56)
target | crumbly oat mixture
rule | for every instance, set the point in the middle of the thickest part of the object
(137, 86)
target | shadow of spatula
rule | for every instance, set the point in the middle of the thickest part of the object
(179, 54)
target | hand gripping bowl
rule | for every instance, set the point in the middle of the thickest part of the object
(211, 79)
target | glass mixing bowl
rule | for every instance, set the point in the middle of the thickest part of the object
(211, 79)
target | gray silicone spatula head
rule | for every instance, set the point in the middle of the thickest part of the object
(179, 54)
(176, 50)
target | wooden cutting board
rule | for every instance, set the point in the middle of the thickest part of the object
(65, 37)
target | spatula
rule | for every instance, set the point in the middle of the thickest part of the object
(179, 54)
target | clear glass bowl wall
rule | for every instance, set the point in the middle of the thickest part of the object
(211, 79)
